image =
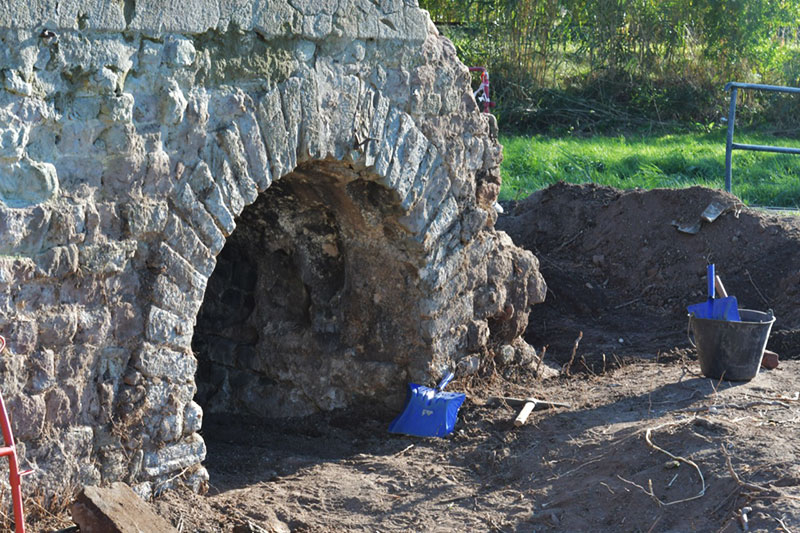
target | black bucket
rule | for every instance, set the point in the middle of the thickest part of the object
(731, 350)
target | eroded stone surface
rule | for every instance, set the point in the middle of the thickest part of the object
(150, 152)
(116, 509)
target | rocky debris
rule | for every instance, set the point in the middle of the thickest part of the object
(116, 509)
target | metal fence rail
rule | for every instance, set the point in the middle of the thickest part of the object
(730, 146)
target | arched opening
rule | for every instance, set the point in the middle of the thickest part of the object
(308, 307)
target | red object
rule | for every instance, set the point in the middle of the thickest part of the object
(483, 89)
(10, 451)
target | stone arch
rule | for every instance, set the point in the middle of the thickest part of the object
(341, 135)
(150, 130)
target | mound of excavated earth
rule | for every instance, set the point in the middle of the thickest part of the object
(621, 267)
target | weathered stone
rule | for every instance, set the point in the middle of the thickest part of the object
(27, 182)
(167, 328)
(28, 416)
(153, 361)
(231, 142)
(105, 258)
(203, 185)
(192, 418)
(115, 509)
(275, 135)
(173, 458)
(200, 218)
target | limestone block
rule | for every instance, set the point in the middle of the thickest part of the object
(430, 162)
(191, 16)
(108, 50)
(93, 326)
(42, 370)
(179, 51)
(230, 141)
(304, 50)
(167, 328)
(57, 262)
(107, 258)
(209, 193)
(114, 360)
(179, 269)
(21, 334)
(290, 99)
(14, 135)
(198, 480)
(200, 218)
(225, 180)
(406, 160)
(316, 26)
(314, 134)
(343, 98)
(57, 407)
(172, 106)
(57, 325)
(192, 418)
(182, 238)
(115, 509)
(26, 182)
(376, 130)
(364, 117)
(255, 149)
(173, 458)
(279, 20)
(276, 138)
(170, 427)
(144, 218)
(116, 108)
(181, 300)
(27, 415)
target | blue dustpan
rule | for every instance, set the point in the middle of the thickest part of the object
(429, 412)
(716, 308)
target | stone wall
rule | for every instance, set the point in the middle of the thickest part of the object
(334, 144)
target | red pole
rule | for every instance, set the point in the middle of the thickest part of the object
(10, 451)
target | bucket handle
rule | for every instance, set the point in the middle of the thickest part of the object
(690, 332)
(448, 377)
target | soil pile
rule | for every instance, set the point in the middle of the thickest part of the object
(618, 268)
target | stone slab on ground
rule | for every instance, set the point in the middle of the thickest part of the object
(116, 509)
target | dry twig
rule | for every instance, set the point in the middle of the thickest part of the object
(567, 367)
(783, 524)
(539, 366)
(754, 486)
(567, 243)
(404, 450)
(741, 407)
(753, 283)
(689, 462)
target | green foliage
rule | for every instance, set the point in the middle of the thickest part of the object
(656, 60)
(651, 161)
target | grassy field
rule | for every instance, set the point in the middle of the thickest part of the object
(627, 162)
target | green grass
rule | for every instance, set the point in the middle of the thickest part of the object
(652, 161)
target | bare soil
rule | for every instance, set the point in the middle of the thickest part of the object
(648, 444)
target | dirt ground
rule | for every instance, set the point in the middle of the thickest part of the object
(647, 445)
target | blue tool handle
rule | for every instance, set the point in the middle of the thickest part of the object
(711, 277)
(445, 380)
